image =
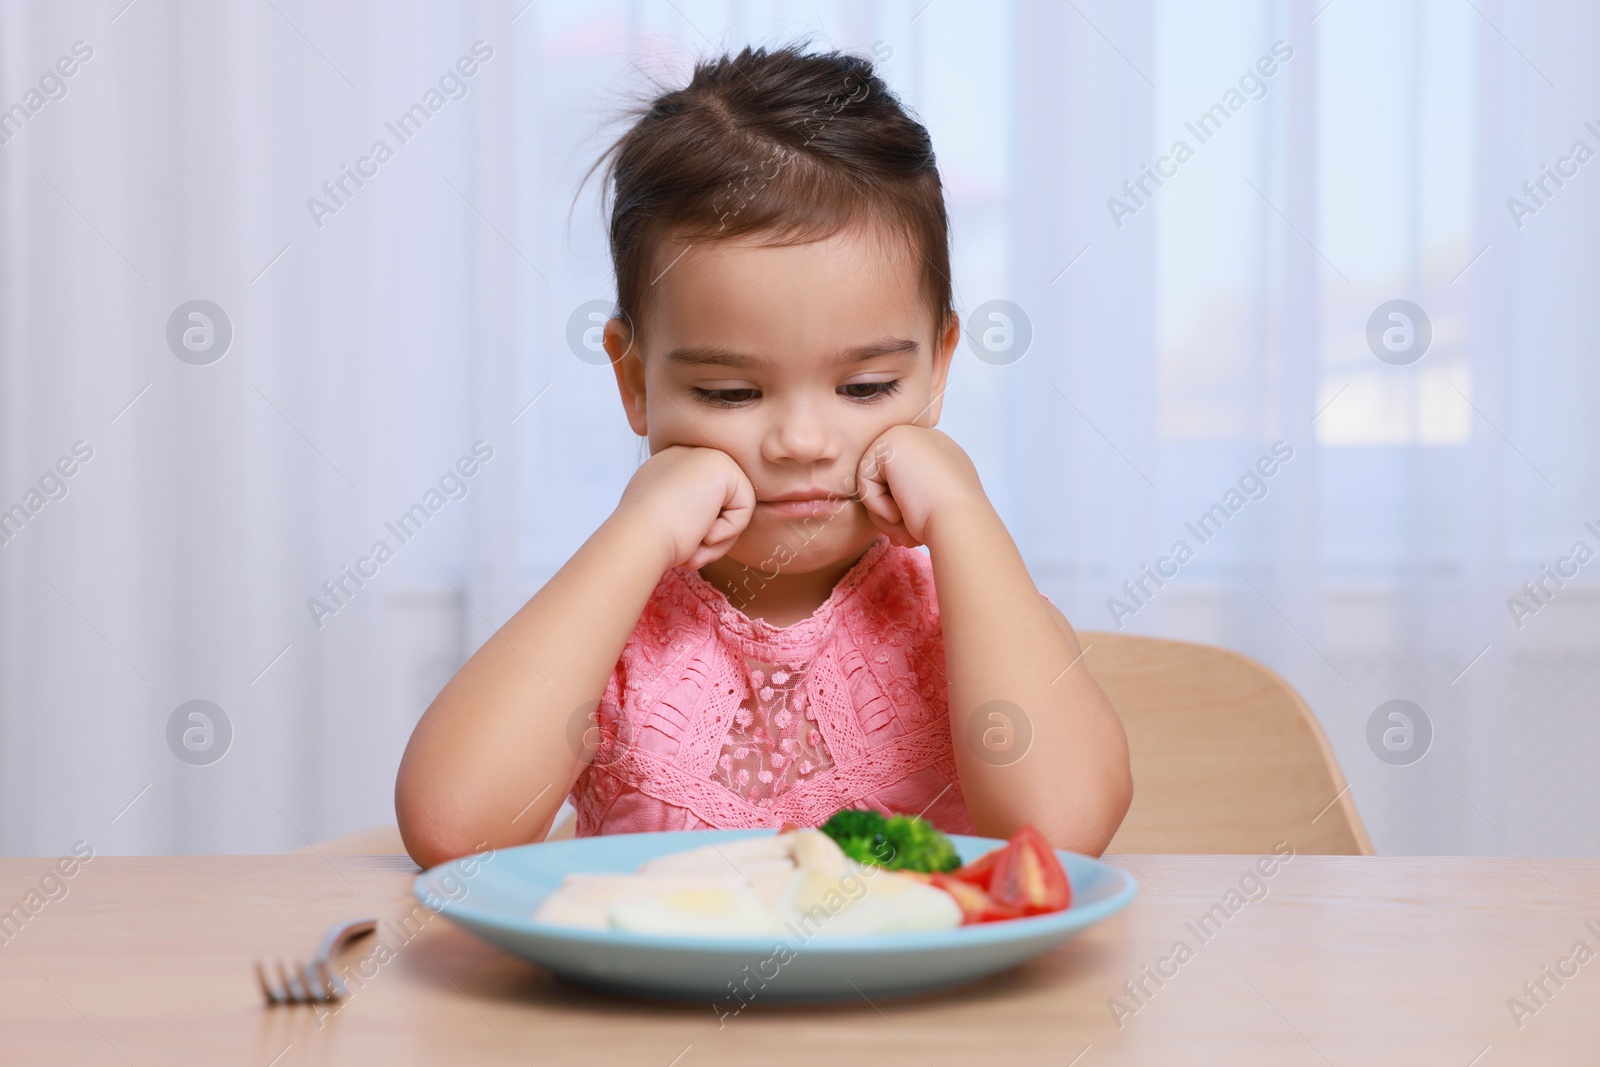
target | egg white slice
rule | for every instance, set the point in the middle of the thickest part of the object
(863, 900)
(585, 899)
(735, 855)
(706, 911)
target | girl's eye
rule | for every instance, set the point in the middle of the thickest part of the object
(724, 397)
(875, 390)
(865, 391)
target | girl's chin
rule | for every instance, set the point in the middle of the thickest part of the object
(799, 546)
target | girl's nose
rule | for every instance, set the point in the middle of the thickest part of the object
(799, 434)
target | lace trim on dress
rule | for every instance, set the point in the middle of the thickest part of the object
(773, 743)
(807, 804)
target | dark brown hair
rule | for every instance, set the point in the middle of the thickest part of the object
(786, 144)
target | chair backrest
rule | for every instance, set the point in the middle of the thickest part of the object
(1226, 756)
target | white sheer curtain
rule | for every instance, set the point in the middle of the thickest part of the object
(382, 332)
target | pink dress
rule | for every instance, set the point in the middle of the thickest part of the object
(712, 719)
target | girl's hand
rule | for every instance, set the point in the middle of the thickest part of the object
(912, 473)
(697, 499)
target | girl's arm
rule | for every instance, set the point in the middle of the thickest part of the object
(1011, 659)
(1003, 641)
(491, 760)
(496, 737)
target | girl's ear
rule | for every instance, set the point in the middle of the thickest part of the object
(629, 369)
(944, 352)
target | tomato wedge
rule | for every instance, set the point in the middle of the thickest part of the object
(1022, 877)
(1027, 875)
(980, 871)
(976, 905)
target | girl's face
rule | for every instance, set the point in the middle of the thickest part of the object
(792, 359)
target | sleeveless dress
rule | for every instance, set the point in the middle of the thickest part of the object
(714, 720)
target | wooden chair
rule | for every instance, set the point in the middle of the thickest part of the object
(1226, 758)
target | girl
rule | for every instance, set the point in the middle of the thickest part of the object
(766, 639)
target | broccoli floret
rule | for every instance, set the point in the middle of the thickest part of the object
(919, 846)
(859, 834)
(896, 842)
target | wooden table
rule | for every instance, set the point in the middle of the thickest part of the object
(145, 960)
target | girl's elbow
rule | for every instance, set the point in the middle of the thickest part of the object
(1117, 789)
(1123, 796)
(428, 841)
(1118, 798)
(437, 826)
(431, 832)
(1118, 802)
(1089, 828)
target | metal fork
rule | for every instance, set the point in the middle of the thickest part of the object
(316, 982)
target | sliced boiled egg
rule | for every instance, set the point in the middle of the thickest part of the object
(863, 900)
(798, 884)
(709, 911)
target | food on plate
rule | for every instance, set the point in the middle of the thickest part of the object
(1022, 878)
(877, 901)
(798, 882)
(705, 911)
(1027, 875)
(898, 842)
(809, 883)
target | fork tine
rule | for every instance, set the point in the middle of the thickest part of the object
(339, 987)
(336, 939)
(267, 989)
(308, 993)
(313, 982)
(291, 984)
(330, 981)
(317, 983)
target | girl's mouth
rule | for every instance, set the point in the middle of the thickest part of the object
(806, 508)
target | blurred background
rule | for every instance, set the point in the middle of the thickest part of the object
(241, 344)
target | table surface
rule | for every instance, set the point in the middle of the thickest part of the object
(1343, 960)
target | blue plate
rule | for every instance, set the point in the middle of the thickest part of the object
(495, 898)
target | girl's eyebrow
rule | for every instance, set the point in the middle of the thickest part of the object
(695, 355)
